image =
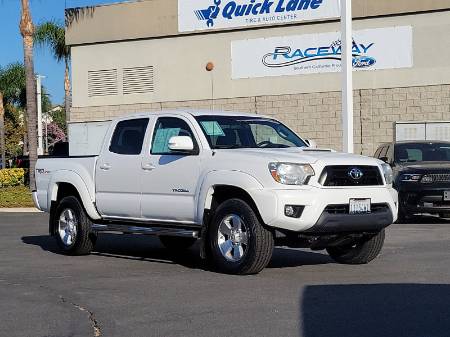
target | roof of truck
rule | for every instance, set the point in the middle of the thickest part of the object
(195, 113)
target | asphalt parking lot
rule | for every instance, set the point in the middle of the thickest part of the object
(132, 286)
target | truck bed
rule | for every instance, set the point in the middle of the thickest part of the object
(80, 168)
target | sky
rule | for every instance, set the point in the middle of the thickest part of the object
(11, 48)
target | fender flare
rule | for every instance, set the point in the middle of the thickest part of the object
(72, 178)
(238, 179)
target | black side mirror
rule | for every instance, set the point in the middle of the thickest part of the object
(385, 159)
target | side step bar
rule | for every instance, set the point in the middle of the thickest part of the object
(146, 230)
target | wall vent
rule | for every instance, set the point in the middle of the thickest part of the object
(138, 80)
(102, 83)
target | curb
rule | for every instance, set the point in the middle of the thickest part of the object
(19, 210)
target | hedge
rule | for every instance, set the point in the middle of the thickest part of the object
(12, 177)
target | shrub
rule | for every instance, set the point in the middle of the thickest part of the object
(12, 177)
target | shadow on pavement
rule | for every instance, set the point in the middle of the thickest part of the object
(147, 248)
(427, 219)
(376, 310)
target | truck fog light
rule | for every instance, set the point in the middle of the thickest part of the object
(292, 211)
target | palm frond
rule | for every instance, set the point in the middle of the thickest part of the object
(75, 14)
(53, 35)
(13, 84)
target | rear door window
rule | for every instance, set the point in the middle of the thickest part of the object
(128, 137)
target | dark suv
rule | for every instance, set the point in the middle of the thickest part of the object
(421, 175)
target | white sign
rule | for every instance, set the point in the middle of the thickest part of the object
(382, 48)
(218, 14)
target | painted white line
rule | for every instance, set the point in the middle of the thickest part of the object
(19, 210)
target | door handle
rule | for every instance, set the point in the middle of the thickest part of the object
(148, 167)
(105, 167)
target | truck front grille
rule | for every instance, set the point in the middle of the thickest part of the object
(339, 175)
(345, 208)
(439, 177)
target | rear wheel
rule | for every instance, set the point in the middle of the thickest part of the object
(239, 243)
(360, 253)
(73, 228)
(177, 243)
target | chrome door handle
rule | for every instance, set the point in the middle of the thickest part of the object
(148, 167)
(105, 167)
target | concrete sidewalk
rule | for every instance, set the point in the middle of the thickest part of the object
(19, 210)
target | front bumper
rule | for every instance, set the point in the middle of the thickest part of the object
(424, 200)
(316, 218)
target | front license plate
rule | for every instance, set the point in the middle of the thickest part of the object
(447, 196)
(359, 206)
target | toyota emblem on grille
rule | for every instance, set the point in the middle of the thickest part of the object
(355, 174)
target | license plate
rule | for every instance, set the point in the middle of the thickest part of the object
(360, 206)
(447, 196)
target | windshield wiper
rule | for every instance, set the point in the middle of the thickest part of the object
(229, 147)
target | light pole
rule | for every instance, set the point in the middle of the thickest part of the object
(347, 75)
(39, 113)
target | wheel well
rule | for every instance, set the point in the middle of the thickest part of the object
(65, 190)
(226, 192)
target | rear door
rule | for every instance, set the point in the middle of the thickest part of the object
(118, 178)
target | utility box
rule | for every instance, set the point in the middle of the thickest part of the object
(422, 131)
(86, 138)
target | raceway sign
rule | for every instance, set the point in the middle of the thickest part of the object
(382, 48)
(218, 14)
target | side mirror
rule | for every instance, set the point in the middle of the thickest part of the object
(385, 159)
(181, 144)
(311, 143)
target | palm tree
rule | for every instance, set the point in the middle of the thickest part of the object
(52, 34)
(27, 31)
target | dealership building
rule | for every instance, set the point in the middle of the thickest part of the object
(277, 58)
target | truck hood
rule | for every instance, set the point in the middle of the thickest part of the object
(425, 167)
(304, 155)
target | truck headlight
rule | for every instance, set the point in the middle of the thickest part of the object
(388, 174)
(291, 174)
(411, 177)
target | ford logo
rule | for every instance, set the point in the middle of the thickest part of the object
(363, 61)
(355, 174)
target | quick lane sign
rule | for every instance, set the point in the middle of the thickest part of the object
(218, 14)
(382, 48)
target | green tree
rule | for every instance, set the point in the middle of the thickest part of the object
(52, 35)
(27, 31)
(12, 93)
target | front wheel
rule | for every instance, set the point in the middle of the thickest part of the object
(238, 242)
(360, 253)
(73, 228)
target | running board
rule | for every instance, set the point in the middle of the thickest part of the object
(146, 230)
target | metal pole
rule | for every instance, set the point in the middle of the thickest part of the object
(347, 75)
(46, 132)
(39, 114)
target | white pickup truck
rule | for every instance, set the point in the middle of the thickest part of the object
(238, 183)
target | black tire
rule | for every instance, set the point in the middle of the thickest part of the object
(259, 240)
(84, 239)
(402, 217)
(176, 243)
(361, 253)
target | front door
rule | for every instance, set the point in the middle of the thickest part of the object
(169, 180)
(118, 171)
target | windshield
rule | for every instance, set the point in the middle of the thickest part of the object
(410, 153)
(234, 132)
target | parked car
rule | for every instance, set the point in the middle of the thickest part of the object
(240, 183)
(421, 176)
